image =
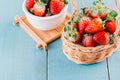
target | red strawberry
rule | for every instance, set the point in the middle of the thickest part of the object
(84, 21)
(78, 37)
(94, 15)
(39, 8)
(29, 4)
(75, 26)
(56, 6)
(94, 26)
(74, 37)
(103, 13)
(101, 37)
(88, 41)
(86, 10)
(94, 12)
(111, 26)
(102, 16)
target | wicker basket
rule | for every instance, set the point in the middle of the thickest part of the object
(88, 55)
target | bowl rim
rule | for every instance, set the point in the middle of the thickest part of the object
(38, 17)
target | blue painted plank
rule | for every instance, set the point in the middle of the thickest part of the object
(19, 59)
(60, 68)
(70, 8)
(113, 61)
(114, 65)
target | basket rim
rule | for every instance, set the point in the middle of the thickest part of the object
(90, 49)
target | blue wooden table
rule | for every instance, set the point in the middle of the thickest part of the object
(20, 60)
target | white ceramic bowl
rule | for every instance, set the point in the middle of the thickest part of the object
(45, 23)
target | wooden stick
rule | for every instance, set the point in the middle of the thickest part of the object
(16, 21)
(75, 9)
(31, 33)
(53, 38)
(118, 10)
(74, 5)
(118, 5)
(50, 40)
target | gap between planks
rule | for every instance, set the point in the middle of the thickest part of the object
(108, 70)
(46, 65)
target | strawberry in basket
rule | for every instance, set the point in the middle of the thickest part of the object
(91, 34)
(97, 21)
(45, 7)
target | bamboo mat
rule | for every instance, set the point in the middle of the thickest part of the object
(42, 38)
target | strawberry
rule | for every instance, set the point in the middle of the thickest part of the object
(103, 15)
(75, 26)
(88, 41)
(77, 37)
(39, 8)
(70, 32)
(94, 26)
(86, 10)
(94, 12)
(29, 4)
(94, 15)
(73, 35)
(111, 26)
(84, 21)
(56, 6)
(101, 37)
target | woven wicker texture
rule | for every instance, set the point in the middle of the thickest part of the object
(88, 55)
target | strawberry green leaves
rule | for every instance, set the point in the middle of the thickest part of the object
(111, 16)
(71, 32)
(77, 17)
(86, 10)
(98, 4)
(72, 35)
(40, 3)
(67, 28)
(46, 1)
(113, 13)
(66, 1)
(111, 38)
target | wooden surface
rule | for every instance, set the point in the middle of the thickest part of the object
(42, 38)
(20, 60)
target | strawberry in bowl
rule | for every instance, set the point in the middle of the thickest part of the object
(45, 14)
